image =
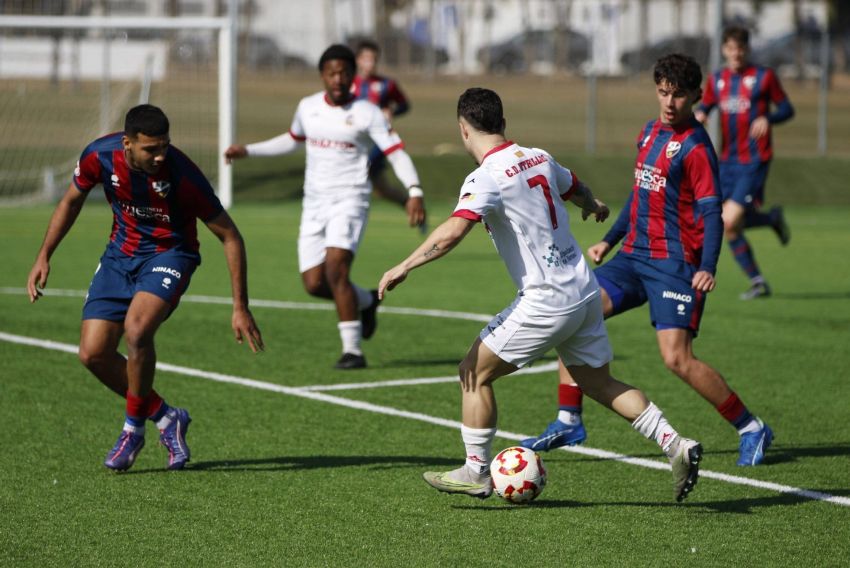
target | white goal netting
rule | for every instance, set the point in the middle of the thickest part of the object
(63, 86)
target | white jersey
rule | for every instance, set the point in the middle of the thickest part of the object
(338, 139)
(517, 192)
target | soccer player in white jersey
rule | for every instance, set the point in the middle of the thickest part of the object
(339, 132)
(558, 305)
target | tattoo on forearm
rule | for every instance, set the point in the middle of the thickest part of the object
(432, 251)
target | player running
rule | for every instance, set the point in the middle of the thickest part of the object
(671, 231)
(558, 305)
(156, 194)
(339, 131)
(388, 96)
(744, 94)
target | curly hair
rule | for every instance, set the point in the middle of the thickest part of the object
(482, 108)
(678, 70)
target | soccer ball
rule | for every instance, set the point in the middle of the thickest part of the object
(518, 474)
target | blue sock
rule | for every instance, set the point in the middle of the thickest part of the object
(163, 409)
(135, 421)
(745, 258)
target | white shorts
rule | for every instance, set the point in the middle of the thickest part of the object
(339, 224)
(519, 334)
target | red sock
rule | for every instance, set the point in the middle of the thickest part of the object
(154, 404)
(136, 409)
(734, 411)
(569, 397)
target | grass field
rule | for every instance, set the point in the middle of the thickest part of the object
(298, 476)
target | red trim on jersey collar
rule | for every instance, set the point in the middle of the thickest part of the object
(350, 98)
(497, 149)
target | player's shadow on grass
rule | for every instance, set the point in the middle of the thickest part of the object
(287, 463)
(812, 295)
(736, 506)
(775, 455)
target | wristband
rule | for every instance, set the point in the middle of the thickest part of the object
(415, 191)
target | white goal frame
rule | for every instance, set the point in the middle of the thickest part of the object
(226, 28)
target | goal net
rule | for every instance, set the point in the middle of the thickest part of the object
(65, 81)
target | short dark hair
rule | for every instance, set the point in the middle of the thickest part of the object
(681, 71)
(739, 35)
(367, 44)
(338, 51)
(147, 119)
(482, 109)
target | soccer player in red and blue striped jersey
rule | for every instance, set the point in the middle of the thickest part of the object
(671, 229)
(385, 93)
(156, 194)
(750, 100)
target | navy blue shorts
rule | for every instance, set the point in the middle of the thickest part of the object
(119, 277)
(631, 282)
(743, 183)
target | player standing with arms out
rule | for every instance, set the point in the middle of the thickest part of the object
(671, 230)
(156, 194)
(387, 95)
(744, 94)
(339, 131)
(558, 305)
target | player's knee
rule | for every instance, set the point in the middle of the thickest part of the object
(676, 361)
(336, 273)
(90, 356)
(315, 287)
(137, 335)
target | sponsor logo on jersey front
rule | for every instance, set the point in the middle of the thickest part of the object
(673, 148)
(161, 187)
(144, 213)
(650, 178)
(735, 105)
(332, 144)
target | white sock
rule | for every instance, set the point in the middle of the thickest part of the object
(139, 430)
(754, 425)
(652, 424)
(166, 420)
(478, 442)
(569, 418)
(351, 332)
(364, 297)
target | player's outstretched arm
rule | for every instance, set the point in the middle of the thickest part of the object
(439, 243)
(242, 321)
(61, 221)
(583, 197)
(277, 146)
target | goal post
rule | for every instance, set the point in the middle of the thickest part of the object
(223, 27)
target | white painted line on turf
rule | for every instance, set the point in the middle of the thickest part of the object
(421, 381)
(389, 411)
(278, 304)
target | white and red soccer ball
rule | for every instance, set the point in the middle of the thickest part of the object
(518, 474)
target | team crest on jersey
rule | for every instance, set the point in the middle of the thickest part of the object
(720, 84)
(673, 148)
(749, 81)
(349, 120)
(519, 154)
(161, 188)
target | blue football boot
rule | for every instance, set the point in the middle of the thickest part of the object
(123, 454)
(754, 445)
(173, 437)
(557, 434)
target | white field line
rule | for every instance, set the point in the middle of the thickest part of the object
(255, 303)
(389, 411)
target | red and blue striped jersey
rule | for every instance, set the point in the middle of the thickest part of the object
(676, 186)
(743, 97)
(151, 213)
(381, 91)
